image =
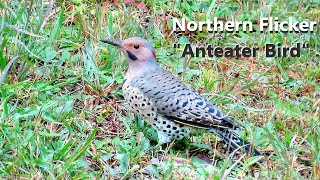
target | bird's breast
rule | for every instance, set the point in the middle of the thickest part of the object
(139, 103)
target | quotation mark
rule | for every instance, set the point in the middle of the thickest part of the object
(176, 45)
(305, 45)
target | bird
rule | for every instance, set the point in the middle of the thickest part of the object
(167, 104)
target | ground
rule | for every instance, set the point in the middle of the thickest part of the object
(63, 115)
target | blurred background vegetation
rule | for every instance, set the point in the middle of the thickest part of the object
(62, 113)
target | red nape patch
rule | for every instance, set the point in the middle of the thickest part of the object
(154, 55)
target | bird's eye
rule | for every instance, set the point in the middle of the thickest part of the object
(136, 46)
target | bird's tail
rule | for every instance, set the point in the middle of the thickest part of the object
(234, 141)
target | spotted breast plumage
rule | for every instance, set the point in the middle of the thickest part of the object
(168, 105)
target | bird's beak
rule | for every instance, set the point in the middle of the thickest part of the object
(115, 43)
(119, 44)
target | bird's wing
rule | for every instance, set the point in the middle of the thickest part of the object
(182, 104)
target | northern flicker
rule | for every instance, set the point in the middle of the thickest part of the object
(168, 105)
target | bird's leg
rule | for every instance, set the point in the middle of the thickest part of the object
(163, 140)
(155, 149)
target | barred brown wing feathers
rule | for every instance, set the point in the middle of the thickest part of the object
(172, 98)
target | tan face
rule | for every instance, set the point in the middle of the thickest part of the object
(138, 50)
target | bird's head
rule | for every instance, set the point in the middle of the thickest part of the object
(138, 50)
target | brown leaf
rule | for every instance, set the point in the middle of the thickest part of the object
(108, 89)
(90, 90)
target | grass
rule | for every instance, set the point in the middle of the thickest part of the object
(63, 115)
